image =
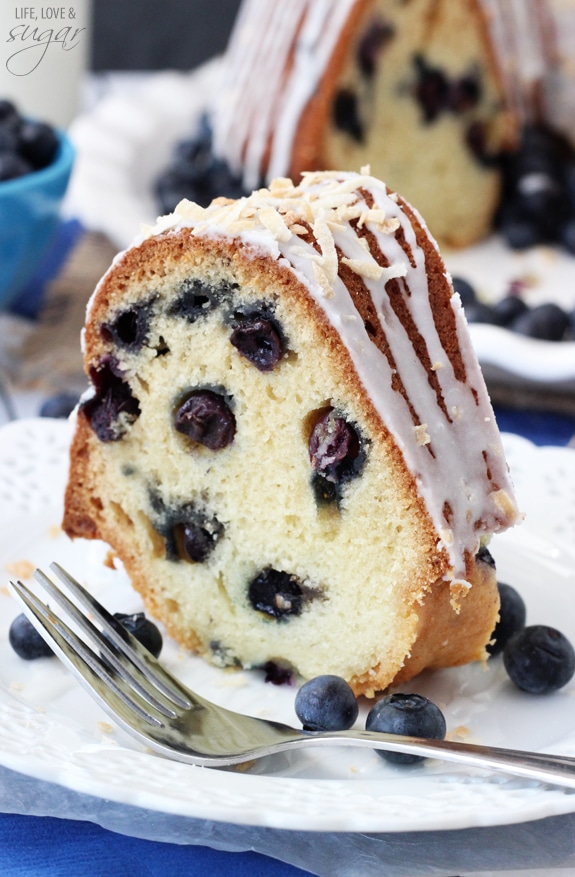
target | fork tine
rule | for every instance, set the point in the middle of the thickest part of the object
(86, 665)
(128, 670)
(126, 643)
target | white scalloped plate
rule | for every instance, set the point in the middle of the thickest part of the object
(51, 730)
(127, 139)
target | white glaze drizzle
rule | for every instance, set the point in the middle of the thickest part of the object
(523, 38)
(455, 473)
(275, 59)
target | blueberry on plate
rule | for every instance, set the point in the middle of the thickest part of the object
(409, 714)
(466, 291)
(539, 659)
(60, 405)
(477, 312)
(548, 322)
(26, 641)
(509, 309)
(326, 703)
(512, 615)
(143, 629)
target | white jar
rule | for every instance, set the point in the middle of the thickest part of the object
(44, 55)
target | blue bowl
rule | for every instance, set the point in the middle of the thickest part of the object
(29, 217)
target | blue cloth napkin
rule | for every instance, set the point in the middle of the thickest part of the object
(32, 846)
(540, 427)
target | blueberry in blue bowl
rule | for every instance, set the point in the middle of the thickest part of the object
(36, 163)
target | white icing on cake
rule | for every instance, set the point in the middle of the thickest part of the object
(455, 452)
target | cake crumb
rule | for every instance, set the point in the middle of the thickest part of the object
(54, 531)
(22, 569)
(105, 727)
(110, 560)
(461, 732)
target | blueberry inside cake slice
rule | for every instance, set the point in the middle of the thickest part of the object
(288, 441)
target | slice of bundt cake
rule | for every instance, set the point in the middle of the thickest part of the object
(288, 440)
(431, 93)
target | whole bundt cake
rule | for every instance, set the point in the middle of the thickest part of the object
(288, 441)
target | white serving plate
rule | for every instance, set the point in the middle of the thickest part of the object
(51, 730)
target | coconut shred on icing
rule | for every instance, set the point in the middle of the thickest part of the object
(452, 447)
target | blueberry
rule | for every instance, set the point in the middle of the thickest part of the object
(199, 538)
(370, 45)
(60, 405)
(129, 328)
(346, 114)
(195, 173)
(277, 674)
(539, 659)
(326, 703)
(508, 309)
(477, 312)
(113, 408)
(548, 322)
(175, 186)
(519, 232)
(536, 199)
(567, 234)
(512, 615)
(466, 291)
(38, 143)
(190, 533)
(336, 455)
(276, 593)
(484, 556)
(409, 714)
(477, 142)
(144, 630)
(206, 417)
(464, 94)
(8, 138)
(13, 166)
(26, 641)
(195, 300)
(259, 339)
(431, 89)
(8, 112)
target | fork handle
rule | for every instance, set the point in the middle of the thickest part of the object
(556, 769)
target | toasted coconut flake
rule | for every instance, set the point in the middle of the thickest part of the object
(326, 242)
(364, 267)
(322, 279)
(272, 220)
(421, 434)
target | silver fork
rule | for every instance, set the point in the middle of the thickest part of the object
(158, 710)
